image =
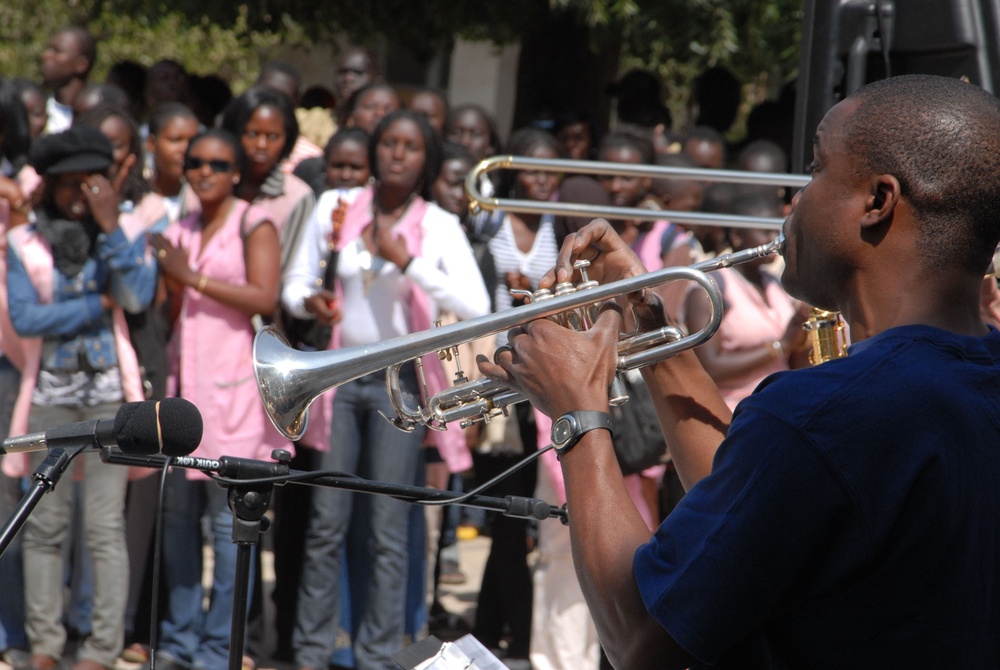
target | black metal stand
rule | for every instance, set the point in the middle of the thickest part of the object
(46, 477)
(251, 483)
(249, 503)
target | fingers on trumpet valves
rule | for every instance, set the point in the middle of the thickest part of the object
(505, 349)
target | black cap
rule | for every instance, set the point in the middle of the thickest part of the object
(79, 149)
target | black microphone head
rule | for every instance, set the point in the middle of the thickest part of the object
(181, 426)
(135, 429)
(171, 427)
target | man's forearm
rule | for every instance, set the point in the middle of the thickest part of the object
(693, 416)
(605, 531)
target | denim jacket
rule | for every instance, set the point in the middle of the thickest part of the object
(74, 325)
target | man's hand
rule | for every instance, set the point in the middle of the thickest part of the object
(611, 259)
(559, 370)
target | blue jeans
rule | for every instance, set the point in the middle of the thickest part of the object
(189, 634)
(361, 442)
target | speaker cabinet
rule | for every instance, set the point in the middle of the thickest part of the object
(848, 43)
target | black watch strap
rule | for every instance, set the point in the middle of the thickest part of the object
(570, 427)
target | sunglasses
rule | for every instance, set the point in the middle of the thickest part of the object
(217, 165)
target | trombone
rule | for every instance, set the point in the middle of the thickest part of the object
(479, 201)
(290, 380)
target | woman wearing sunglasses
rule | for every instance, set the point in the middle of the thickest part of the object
(220, 268)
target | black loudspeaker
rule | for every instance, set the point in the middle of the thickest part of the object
(848, 43)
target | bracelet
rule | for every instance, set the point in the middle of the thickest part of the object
(777, 350)
(202, 282)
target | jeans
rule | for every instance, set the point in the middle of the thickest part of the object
(104, 528)
(361, 442)
(190, 635)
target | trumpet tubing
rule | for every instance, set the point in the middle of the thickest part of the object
(290, 380)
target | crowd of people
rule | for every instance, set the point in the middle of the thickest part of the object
(153, 220)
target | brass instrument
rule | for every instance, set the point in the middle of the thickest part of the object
(479, 201)
(290, 380)
(827, 336)
(827, 332)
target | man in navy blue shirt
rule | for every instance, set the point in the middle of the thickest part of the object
(846, 515)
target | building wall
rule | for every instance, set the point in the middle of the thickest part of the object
(474, 72)
(485, 74)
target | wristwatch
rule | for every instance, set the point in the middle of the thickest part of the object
(571, 426)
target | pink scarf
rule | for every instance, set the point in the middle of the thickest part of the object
(451, 442)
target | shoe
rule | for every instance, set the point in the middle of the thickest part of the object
(19, 659)
(43, 662)
(136, 653)
(88, 664)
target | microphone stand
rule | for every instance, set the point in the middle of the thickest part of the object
(251, 483)
(46, 476)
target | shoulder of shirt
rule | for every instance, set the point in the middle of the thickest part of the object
(296, 187)
(878, 371)
(435, 212)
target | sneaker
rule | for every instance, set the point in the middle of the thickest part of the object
(19, 659)
(136, 653)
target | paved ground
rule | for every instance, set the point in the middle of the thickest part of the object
(458, 599)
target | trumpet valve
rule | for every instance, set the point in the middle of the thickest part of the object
(564, 288)
(585, 281)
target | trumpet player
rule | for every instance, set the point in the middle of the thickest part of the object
(845, 515)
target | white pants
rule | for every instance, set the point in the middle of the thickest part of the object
(563, 636)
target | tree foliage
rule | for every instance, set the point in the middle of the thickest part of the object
(756, 39)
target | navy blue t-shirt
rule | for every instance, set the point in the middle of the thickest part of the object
(851, 520)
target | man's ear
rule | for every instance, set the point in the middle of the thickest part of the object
(883, 200)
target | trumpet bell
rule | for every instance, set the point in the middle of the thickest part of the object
(289, 382)
(280, 383)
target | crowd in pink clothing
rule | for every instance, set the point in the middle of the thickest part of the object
(240, 206)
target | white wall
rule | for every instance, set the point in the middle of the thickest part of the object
(485, 74)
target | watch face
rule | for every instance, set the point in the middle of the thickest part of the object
(562, 430)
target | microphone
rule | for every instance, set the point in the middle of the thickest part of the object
(171, 427)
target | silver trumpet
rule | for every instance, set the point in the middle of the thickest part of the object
(290, 380)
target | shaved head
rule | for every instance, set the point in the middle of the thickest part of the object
(940, 137)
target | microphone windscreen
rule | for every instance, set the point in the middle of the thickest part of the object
(180, 425)
(135, 428)
(171, 427)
